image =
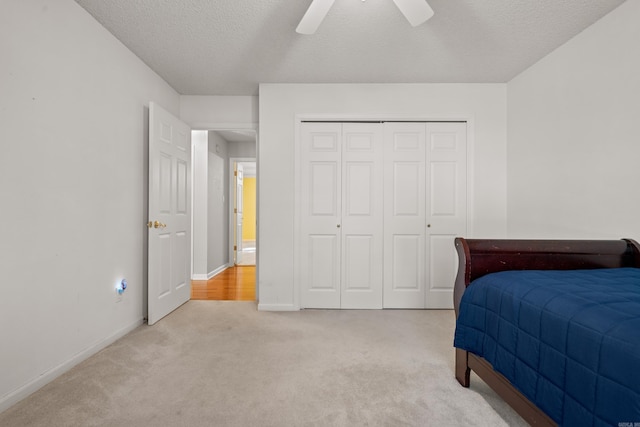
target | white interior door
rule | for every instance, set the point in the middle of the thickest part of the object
(446, 207)
(239, 211)
(404, 215)
(362, 216)
(169, 223)
(321, 207)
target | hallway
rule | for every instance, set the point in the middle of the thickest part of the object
(248, 254)
(233, 284)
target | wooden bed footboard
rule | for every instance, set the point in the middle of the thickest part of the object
(478, 257)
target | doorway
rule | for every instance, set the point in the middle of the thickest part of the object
(216, 276)
(244, 219)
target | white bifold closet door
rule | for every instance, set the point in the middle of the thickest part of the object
(425, 169)
(380, 205)
(341, 246)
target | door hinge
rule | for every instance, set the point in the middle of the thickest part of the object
(235, 248)
(235, 173)
(235, 210)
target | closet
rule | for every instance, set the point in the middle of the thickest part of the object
(380, 204)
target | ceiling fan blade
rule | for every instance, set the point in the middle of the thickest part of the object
(311, 20)
(416, 11)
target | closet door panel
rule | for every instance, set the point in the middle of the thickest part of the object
(407, 189)
(445, 265)
(359, 187)
(447, 207)
(404, 215)
(322, 189)
(359, 262)
(362, 216)
(405, 276)
(443, 189)
(323, 263)
(320, 207)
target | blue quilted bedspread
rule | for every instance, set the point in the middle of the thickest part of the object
(568, 340)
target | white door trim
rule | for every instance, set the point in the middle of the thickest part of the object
(231, 189)
(417, 117)
(240, 126)
(217, 127)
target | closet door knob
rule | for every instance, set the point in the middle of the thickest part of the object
(338, 225)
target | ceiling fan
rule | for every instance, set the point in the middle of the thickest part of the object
(416, 12)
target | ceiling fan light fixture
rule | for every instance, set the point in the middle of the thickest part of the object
(416, 11)
(312, 19)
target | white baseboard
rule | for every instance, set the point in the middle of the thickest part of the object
(17, 395)
(217, 271)
(210, 274)
(277, 307)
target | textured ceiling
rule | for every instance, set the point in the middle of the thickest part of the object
(228, 47)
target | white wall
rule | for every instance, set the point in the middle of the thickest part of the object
(211, 204)
(573, 149)
(200, 167)
(218, 205)
(483, 104)
(242, 149)
(73, 179)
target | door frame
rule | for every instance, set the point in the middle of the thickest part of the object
(244, 127)
(232, 222)
(299, 118)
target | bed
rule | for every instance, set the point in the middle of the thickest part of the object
(553, 326)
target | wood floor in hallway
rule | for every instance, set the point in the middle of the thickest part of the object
(233, 284)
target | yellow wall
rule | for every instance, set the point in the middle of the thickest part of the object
(249, 206)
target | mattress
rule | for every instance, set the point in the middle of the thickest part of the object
(568, 340)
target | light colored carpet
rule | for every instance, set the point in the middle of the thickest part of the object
(223, 363)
